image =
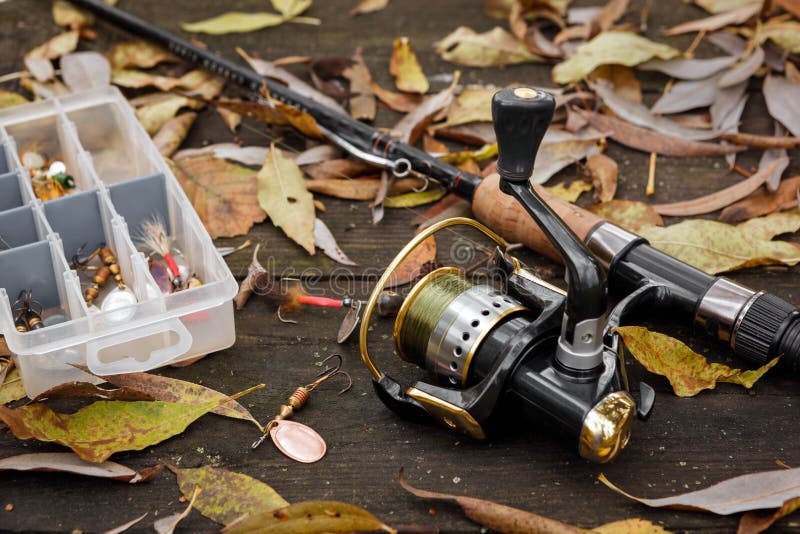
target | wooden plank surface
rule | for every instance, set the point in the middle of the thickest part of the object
(687, 443)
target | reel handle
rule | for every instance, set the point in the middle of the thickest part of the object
(521, 117)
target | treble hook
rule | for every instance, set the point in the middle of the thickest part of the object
(330, 372)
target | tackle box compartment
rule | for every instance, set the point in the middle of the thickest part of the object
(121, 181)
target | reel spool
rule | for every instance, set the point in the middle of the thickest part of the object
(490, 348)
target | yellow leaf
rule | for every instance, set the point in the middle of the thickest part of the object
(227, 495)
(630, 526)
(612, 47)
(310, 517)
(414, 199)
(689, 373)
(65, 14)
(474, 104)
(155, 115)
(717, 247)
(8, 99)
(493, 48)
(283, 195)
(142, 54)
(785, 34)
(291, 8)
(485, 152)
(630, 214)
(572, 192)
(234, 22)
(404, 66)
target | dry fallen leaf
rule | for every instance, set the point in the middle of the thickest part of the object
(570, 192)
(630, 214)
(687, 95)
(782, 96)
(763, 202)
(622, 79)
(413, 265)
(368, 6)
(784, 33)
(689, 69)
(603, 172)
(415, 198)
(65, 14)
(720, 6)
(167, 525)
(404, 66)
(708, 24)
(560, 149)
(650, 141)
(282, 194)
(410, 127)
(238, 22)
(612, 47)
(723, 197)
(154, 115)
(142, 54)
(125, 526)
(168, 389)
(489, 49)
(689, 373)
(38, 60)
(12, 389)
(172, 134)
(362, 97)
(716, 247)
(755, 491)
(224, 195)
(227, 495)
(67, 462)
(473, 104)
(360, 188)
(323, 238)
(757, 521)
(87, 390)
(310, 517)
(8, 99)
(103, 428)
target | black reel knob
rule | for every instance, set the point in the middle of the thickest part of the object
(521, 117)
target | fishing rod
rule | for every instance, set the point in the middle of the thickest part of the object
(551, 351)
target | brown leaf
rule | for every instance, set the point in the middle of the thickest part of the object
(762, 141)
(715, 22)
(337, 168)
(67, 462)
(763, 202)
(413, 265)
(269, 70)
(450, 206)
(792, 6)
(262, 111)
(641, 116)
(688, 372)
(282, 194)
(368, 6)
(622, 79)
(65, 14)
(11, 389)
(362, 98)
(223, 194)
(755, 491)
(396, 101)
(172, 134)
(404, 66)
(85, 390)
(168, 389)
(630, 526)
(323, 238)
(722, 198)
(603, 172)
(782, 96)
(560, 149)
(231, 119)
(650, 141)
(412, 125)
(689, 69)
(629, 214)
(309, 517)
(495, 516)
(139, 53)
(757, 521)
(414, 198)
(299, 119)
(125, 526)
(360, 188)
(37, 61)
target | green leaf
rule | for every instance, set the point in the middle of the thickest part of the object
(689, 373)
(8, 99)
(717, 247)
(227, 495)
(234, 22)
(570, 192)
(612, 47)
(105, 427)
(414, 199)
(308, 518)
(283, 195)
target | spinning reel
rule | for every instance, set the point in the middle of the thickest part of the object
(530, 346)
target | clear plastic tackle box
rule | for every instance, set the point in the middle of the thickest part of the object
(121, 181)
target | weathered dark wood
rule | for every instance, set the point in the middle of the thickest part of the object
(687, 444)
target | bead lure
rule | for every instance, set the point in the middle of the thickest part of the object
(27, 312)
(50, 180)
(296, 440)
(118, 297)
